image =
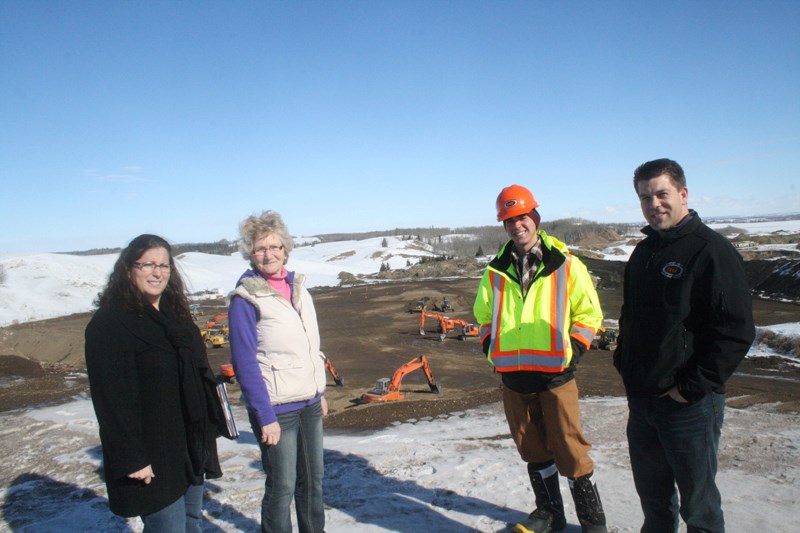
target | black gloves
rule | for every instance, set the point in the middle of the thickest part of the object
(578, 349)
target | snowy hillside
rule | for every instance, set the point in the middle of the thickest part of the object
(47, 285)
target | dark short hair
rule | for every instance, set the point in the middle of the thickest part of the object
(121, 290)
(657, 167)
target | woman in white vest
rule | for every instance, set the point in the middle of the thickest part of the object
(276, 356)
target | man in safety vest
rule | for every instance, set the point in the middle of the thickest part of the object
(538, 312)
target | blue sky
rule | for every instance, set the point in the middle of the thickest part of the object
(182, 118)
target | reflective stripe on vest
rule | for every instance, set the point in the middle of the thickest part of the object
(550, 359)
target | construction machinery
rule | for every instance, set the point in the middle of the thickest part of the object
(337, 379)
(214, 338)
(217, 318)
(605, 339)
(443, 306)
(226, 372)
(447, 324)
(419, 306)
(388, 390)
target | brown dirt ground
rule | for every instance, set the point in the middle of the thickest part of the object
(368, 332)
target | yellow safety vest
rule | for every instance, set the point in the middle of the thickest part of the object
(533, 334)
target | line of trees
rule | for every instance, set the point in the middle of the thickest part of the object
(462, 242)
(222, 247)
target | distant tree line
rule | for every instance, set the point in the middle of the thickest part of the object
(477, 241)
(222, 247)
(448, 243)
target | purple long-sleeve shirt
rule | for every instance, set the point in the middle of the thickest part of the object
(243, 318)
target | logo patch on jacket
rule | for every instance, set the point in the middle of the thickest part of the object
(672, 270)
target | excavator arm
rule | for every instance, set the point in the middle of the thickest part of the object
(337, 379)
(389, 390)
(447, 324)
(436, 316)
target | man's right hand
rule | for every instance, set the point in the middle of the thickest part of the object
(675, 395)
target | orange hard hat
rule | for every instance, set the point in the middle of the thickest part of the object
(514, 201)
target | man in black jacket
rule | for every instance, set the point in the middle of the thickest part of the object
(686, 324)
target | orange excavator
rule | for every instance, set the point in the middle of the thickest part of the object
(449, 324)
(226, 373)
(388, 390)
(211, 323)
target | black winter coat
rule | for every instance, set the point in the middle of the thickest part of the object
(135, 386)
(687, 316)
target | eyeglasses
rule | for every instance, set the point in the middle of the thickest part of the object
(148, 267)
(274, 249)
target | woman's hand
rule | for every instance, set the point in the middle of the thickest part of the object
(324, 404)
(271, 434)
(145, 474)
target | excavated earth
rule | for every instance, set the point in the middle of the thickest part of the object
(368, 332)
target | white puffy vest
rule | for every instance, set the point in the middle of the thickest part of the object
(288, 340)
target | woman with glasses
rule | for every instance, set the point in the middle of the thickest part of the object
(276, 356)
(152, 391)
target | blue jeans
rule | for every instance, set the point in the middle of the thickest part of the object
(294, 468)
(676, 443)
(182, 515)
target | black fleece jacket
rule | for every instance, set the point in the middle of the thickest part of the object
(687, 316)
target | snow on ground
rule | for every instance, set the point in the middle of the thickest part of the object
(788, 330)
(459, 472)
(759, 227)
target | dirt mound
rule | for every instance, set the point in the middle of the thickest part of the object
(57, 342)
(449, 268)
(598, 239)
(778, 279)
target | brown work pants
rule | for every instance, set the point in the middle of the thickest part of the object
(547, 426)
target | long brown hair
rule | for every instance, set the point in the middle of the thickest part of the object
(121, 290)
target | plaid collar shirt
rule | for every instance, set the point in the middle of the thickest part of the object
(527, 265)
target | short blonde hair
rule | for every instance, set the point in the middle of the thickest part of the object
(267, 223)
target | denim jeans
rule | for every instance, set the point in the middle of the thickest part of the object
(181, 516)
(294, 468)
(671, 444)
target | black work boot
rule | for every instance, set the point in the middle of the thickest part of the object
(587, 505)
(549, 513)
